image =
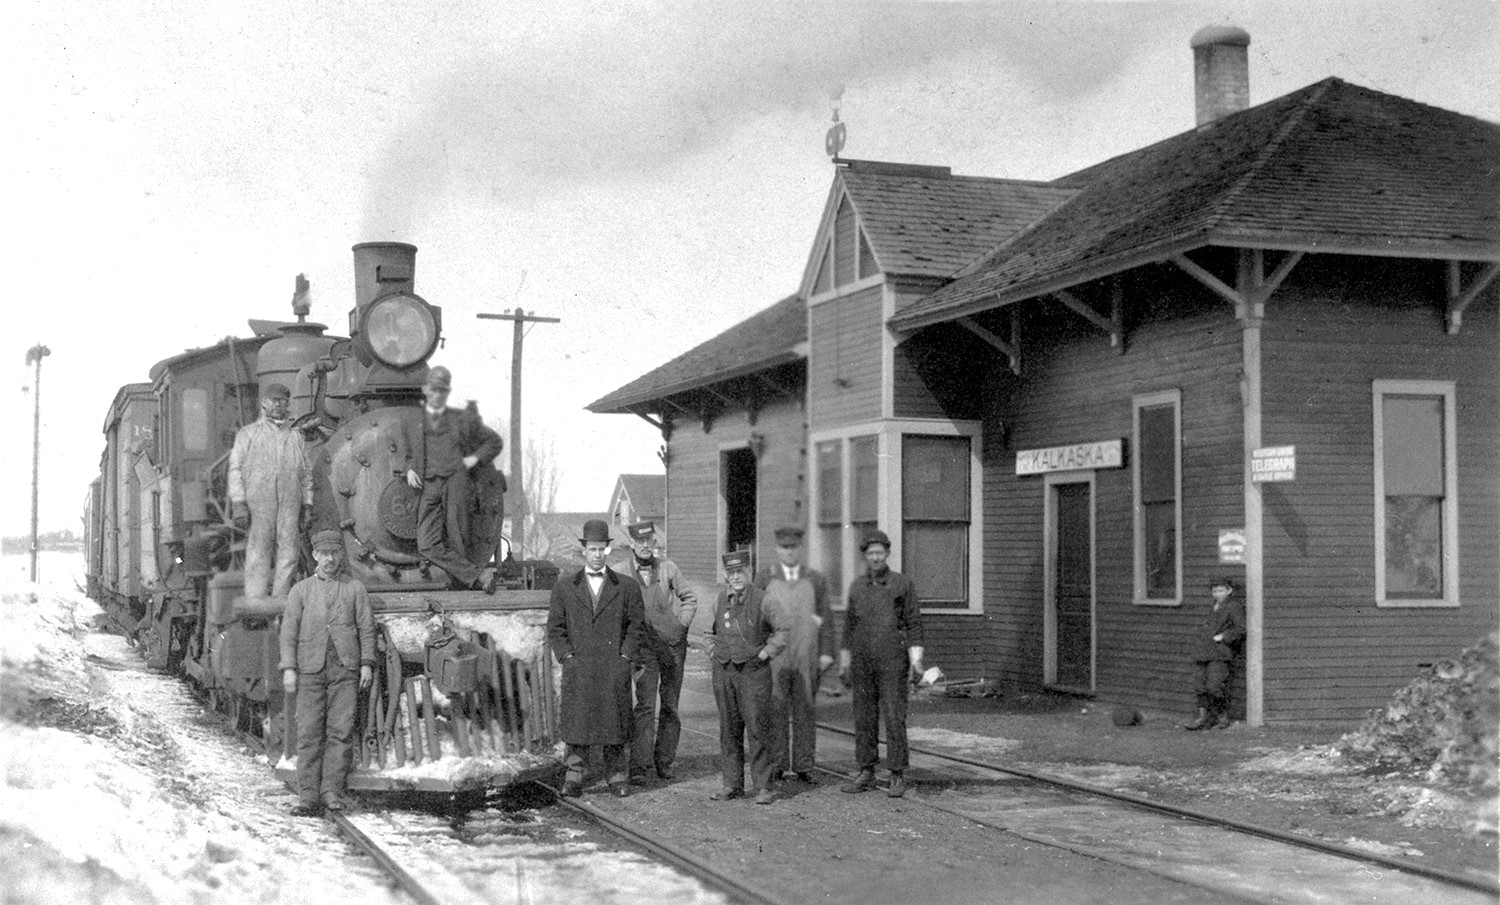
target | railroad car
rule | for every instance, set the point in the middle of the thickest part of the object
(465, 691)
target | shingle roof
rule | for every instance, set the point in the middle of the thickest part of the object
(772, 337)
(923, 221)
(1333, 166)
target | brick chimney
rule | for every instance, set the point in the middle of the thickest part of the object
(1221, 71)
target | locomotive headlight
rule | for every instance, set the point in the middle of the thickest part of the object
(401, 329)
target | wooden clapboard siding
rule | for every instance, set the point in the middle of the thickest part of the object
(693, 482)
(1074, 388)
(1338, 325)
(844, 361)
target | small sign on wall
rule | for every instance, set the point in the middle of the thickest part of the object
(1075, 456)
(1273, 463)
(1232, 546)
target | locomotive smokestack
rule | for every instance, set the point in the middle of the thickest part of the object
(1221, 72)
(381, 267)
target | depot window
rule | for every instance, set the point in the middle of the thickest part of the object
(1416, 498)
(1158, 498)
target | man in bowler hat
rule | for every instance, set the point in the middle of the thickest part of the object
(594, 623)
(670, 605)
(327, 645)
(742, 642)
(882, 644)
(800, 595)
(439, 457)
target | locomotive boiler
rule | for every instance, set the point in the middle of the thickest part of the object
(465, 693)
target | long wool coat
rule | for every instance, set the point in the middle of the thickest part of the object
(597, 646)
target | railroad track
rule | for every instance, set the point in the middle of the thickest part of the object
(1452, 878)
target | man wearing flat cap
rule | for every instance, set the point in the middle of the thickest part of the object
(670, 605)
(882, 644)
(744, 639)
(441, 451)
(270, 484)
(800, 595)
(594, 623)
(327, 646)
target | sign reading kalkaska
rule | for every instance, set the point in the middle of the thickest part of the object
(1098, 454)
(1273, 463)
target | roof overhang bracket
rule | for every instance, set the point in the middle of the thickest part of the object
(1459, 297)
(1110, 325)
(1249, 300)
(1011, 348)
(659, 424)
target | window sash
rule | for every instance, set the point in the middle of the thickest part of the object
(1157, 467)
(1416, 537)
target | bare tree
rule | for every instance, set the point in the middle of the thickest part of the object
(538, 495)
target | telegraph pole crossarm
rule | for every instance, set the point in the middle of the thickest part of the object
(521, 318)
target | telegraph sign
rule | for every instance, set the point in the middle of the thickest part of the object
(1273, 463)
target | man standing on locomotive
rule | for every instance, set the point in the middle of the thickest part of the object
(882, 641)
(270, 484)
(327, 640)
(439, 457)
(594, 624)
(670, 605)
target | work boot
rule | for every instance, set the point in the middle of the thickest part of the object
(308, 809)
(864, 782)
(806, 776)
(620, 789)
(1223, 720)
(764, 796)
(666, 772)
(1200, 721)
(727, 794)
(639, 778)
(571, 789)
(897, 788)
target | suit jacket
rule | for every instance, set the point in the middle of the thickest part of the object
(473, 436)
(317, 610)
(597, 646)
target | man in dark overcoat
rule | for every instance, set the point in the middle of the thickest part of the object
(882, 644)
(439, 457)
(594, 624)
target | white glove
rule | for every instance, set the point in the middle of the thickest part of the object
(914, 653)
(824, 661)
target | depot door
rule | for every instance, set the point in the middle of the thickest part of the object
(1069, 597)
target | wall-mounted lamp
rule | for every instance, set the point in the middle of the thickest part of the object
(757, 444)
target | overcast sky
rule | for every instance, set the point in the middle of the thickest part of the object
(649, 173)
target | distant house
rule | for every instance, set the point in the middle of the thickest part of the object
(559, 533)
(638, 497)
(1264, 348)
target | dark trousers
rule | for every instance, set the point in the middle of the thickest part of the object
(880, 693)
(658, 727)
(577, 758)
(743, 693)
(792, 719)
(325, 729)
(1211, 684)
(442, 519)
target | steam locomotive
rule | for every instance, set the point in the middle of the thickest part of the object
(464, 677)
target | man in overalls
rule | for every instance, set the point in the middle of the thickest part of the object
(800, 595)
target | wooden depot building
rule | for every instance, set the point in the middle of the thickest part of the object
(1268, 347)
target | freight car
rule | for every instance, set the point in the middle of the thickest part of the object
(464, 695)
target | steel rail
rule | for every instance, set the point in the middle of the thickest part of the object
(1477, 884)
(671, 854)
(403, 880)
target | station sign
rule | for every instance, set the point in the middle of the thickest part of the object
(1232, 546)
(1075, 456)
(1273, 463)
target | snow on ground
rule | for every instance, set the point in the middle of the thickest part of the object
(960, 742)
(118, 790)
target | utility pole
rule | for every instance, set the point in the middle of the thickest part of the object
(34, 355)
(521, 318)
